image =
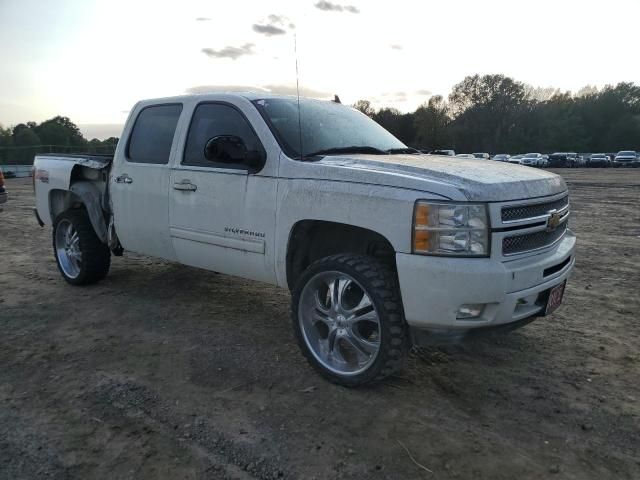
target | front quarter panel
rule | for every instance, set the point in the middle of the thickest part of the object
(385, 210)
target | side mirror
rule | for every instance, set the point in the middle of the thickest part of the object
(232, 149)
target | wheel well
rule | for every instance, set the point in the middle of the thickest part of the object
(61, 201)
(311, 240)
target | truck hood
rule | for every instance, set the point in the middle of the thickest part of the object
(476, 180)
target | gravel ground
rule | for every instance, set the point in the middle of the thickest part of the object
(165, 371)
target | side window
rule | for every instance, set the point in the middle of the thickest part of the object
(152, 134)
(214, 120)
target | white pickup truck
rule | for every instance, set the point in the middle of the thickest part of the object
(381, 246)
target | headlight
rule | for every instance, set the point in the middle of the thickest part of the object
(450, 229)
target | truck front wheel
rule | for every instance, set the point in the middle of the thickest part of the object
(348, 319)
(81, 257)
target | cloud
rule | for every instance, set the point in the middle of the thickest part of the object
(268, 30)
(230, 52)
(273, 25)
(394, 97)
(335, 7)
(280, 89)
(281, 20)
(395, 46)
(423, 92)
(203, 19)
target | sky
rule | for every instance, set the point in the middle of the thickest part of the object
(91, 60)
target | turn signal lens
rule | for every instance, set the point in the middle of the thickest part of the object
(421, 240)
(422, 214)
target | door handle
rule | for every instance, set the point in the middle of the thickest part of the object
(124, 178)
(185, 186)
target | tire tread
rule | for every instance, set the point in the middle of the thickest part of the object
(383, 286)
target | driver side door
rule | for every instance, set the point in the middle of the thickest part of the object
(221, 211)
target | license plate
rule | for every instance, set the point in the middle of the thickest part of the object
(555, 298)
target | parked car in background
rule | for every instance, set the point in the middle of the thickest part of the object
(501, 157)
(3, 191)
(465, 155)
(563, 160)
(516, 159)
(483, 156)
(532, 160)
(626, 158)
(598, 160)
(545, 161)
(448, 153)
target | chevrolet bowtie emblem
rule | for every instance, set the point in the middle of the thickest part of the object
(553, 221)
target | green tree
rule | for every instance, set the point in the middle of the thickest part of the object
(431, 121)
(6, 141)
(60, 131)
(365, 107)
(25, 137)
(484, 110)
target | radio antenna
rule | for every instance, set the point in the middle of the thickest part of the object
(295, 50)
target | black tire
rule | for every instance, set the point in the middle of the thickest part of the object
(95, 255)
(381, 285)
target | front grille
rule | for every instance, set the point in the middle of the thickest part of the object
(532, 241)
(522, 212)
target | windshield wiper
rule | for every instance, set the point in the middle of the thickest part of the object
(395, 151)
(352, 149)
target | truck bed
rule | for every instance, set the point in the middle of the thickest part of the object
(91, 160)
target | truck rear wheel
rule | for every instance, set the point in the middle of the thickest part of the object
(348, 319)
(81, 257)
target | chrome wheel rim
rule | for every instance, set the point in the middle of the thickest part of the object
(68, 248)
(339, 323)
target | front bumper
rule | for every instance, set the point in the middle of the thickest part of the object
(626, 163)
(434, 288)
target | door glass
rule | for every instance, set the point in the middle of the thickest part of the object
(152, 135)
(212, 120)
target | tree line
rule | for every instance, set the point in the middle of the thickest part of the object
(20, 143)
(497, 114)
(489, 113)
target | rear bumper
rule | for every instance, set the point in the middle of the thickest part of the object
(434, 288)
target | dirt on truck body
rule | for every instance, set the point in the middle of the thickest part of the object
(165, 371)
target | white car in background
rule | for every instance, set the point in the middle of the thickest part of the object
(465, 155)
(501, 157)
(626, 158)
(516, 159)
(532, 160)
(482, 156)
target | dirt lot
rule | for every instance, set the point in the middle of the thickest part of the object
(164, 371)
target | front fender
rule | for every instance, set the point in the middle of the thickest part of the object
(387, 211)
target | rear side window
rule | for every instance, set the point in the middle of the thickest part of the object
(211, 120)
(152, 135)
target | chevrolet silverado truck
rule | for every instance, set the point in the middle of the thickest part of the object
(380, 245)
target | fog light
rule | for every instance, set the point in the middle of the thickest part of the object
(469, 310)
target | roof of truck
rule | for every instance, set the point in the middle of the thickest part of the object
(249, 95)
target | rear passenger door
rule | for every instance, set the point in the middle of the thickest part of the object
(139, 182)
(221, 214)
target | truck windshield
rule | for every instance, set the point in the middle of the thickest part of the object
(325, 128)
